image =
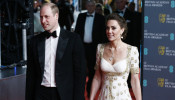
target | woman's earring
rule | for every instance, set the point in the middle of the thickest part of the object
(121, 36)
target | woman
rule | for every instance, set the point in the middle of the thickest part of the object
(114, 61)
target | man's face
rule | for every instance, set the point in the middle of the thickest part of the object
(105, 1)
(99, 10)
(120, 4)
(90, 7)
(49, 21)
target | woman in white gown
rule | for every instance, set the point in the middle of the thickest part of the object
(114, 61)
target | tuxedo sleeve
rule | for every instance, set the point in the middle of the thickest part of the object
(79, 24)
(79, 64)
(30, 74)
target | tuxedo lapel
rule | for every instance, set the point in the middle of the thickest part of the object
(95, 23)
(84, 19)
(62, 43)
(41, 50)
(83, 23)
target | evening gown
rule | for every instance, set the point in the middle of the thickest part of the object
(114, 77)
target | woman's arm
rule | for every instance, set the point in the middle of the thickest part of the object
(135, 83)
(95, 84)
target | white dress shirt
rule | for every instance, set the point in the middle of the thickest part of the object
(122, 14)
(88, 28)
(50, 57)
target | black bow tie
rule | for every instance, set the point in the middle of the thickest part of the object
(51, 34)
(119, 11)
(89, 15)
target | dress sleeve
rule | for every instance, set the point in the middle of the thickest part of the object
(97, 57)
(134, 61)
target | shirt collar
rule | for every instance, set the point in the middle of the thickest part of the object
(91, 14)
(124, 10)
(58, 31)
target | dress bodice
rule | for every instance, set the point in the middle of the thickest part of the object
(114, 77)
(118, 67)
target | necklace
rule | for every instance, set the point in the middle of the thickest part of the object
(112, 55)
(112, 51)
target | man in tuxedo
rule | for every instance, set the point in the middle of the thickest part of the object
(56, 61)
(91, 27)
(133, 22)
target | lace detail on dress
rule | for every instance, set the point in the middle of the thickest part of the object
(99, 54)
(134, 60)
(117, 73)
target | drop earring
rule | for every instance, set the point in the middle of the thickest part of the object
(121, 36)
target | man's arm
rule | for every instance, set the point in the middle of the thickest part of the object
(79, 69)
(29, 95)
(78, 24)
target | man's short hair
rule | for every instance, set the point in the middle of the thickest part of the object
(53, 7)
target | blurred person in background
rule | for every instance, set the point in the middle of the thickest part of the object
(133, 21)
(37, 24)
(131, 6)
(107, 6)
(91, 28)
(99, 8)
(66, 10)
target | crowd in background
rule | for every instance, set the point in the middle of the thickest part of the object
(103, 7)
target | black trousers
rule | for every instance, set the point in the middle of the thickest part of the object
(48, 93)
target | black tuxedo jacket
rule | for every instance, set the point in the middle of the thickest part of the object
(98, 34)
(98, 28)
(70, 66)
(133, 20)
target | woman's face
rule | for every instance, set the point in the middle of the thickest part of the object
(113, 30)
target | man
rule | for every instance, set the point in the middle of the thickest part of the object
(91, 27)
(131, 6)
(133, 21)
(99, 8)
(56, 64)
(66, 14)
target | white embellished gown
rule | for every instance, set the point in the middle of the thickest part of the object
(114, 77)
